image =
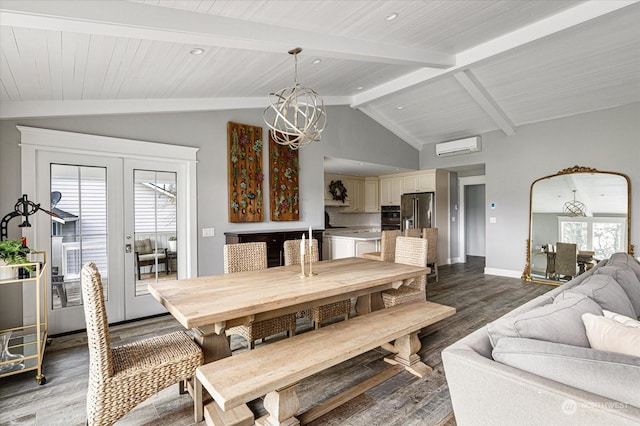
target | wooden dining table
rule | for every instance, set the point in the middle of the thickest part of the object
(211, 304)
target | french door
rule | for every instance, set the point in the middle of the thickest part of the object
(150, 211)
(129, 216)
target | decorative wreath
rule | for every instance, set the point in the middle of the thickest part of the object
(337, 190)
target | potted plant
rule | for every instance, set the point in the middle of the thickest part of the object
(172, 243)
(12, 253)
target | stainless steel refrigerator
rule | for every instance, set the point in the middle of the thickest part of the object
(416, 210)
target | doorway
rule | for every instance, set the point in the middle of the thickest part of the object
(117, 211)
(472, 235)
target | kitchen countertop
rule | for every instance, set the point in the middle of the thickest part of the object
(362, 236)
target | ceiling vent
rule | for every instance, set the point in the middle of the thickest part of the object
(460, 146)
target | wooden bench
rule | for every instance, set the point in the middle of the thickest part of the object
(273, 370)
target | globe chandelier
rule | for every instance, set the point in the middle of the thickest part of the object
(574, 208)
(296, 114)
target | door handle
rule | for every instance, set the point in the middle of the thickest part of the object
(127, 248)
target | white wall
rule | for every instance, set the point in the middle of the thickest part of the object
(606, 140)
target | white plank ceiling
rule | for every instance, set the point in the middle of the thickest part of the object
(457, 68)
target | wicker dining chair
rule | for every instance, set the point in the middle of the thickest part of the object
(244, 257)
(318, 314)
(413, 232)
(409, 251)
(566, 260)
(387, 251)
(124, 376)
(431, 235)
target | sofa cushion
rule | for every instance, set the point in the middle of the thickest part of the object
(606, 334)
(607, 293)
(608, 374)
(558, 322)
(627, 279)
(627, 260)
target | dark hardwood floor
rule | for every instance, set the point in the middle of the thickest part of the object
(402, 400)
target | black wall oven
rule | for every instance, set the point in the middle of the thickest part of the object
(390, 218)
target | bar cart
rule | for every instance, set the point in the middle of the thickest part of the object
(23, 347)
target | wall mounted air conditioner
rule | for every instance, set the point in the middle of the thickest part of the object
(460, 146)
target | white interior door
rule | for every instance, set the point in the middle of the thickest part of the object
(86, 192)
(151, 231)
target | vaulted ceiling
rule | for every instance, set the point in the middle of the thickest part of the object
(440, 70)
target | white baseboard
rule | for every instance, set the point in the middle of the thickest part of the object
(503, 272)
(455, 260)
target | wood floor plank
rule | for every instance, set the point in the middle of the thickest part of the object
(403, 399)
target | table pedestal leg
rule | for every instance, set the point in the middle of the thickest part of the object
(215, 346)
(213, 342)
(407, 355)
(281, 405)
(368, 303)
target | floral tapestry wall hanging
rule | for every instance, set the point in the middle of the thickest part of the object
(283, 182)
(245, 173)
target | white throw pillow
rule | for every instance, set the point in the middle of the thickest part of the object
(624, 320)
(606, 334)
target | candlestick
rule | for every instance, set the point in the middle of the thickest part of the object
(302, 256)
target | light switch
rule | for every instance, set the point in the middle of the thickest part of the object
(208, 232)
(492, 220)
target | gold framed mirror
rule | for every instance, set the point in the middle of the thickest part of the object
(577, 217)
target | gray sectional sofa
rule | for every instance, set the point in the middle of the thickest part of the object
(534, 365)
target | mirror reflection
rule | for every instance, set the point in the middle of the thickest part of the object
(578, 217)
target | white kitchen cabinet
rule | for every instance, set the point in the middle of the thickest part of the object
(390, 191)
(355, 195)
(341, 248)
(371, 195)
(350, 245)
(419, 182)
(427, 182)
(366, 247)
(410, 184)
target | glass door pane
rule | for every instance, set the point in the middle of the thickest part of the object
(155, 236)
(79, 198)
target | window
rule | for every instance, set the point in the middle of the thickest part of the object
(602, 235)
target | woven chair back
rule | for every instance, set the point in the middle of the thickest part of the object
(413, 232)
(95, 314)
(292, 251)
(566, 259)
(413, 251)
(431, 235)
(388, 245)
(243, 257)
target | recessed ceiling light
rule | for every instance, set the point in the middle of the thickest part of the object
(359, 87)
(391, 16)
(399, 107)
(197, 51)
(316, 61)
